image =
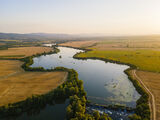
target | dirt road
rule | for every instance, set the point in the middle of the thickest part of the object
(151, 98)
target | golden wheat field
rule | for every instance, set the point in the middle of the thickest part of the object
(17, 85)
(152, 81)
(21, 52)
(82, 44)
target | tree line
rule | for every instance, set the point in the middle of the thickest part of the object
(142, 111)
(72, 88)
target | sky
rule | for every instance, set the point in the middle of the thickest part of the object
(109, 17)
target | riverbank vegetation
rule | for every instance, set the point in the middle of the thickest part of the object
(72, 89)
(140, 51)
(29, 61)
(17, 84)
(76, 110)
(152, 81)
(142, 59)
(142, 110)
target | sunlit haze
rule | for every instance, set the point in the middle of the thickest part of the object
(110, 17)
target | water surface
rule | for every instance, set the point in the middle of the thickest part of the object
(105, 83)
(48, 112)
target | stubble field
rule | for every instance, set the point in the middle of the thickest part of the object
(143, 52)
(21, 52)
(17, 85)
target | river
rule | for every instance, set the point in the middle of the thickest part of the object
(105, 83)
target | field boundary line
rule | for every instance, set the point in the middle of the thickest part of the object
(152, 99)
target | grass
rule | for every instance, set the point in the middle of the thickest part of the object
(21, 52)
(17, 85)
(147, 60)
(131, 43)
(119, 42)
(143, 52)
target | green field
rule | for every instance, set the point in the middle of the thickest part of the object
(144, 59)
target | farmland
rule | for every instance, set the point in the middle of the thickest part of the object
(143, 59)
(17, 85)
(143, 52)
(82, 44)
(140, 53)
(152, 82)
(21, 52)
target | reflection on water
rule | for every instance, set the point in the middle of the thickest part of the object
(105, 83)
(55, 111)
(119, 114)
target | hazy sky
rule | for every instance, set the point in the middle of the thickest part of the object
(111, 17)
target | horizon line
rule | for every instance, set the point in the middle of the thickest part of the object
(84, 34)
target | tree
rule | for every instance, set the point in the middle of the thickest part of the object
(96, 115)
(69, 112)
(135, 117)
(104, 117)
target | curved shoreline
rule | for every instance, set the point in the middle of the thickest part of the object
(18, 108)
(139, 88)
(29, 61)
(152, 99)
(30, 103)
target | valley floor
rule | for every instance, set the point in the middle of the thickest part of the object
(21, 52)
(145, 54)
(17, 84)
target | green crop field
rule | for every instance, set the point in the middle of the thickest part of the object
(148, 60)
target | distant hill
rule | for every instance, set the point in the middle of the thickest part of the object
(35, 36)
(65, 37)
(48, 36)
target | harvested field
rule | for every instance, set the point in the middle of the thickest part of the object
(130, 43)
(21, 52)
(9, 67)
(118, 43)
(145, 54)
(139, 53)
(152, 82)
(2, 43)
(82, 44)
(17, 85)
